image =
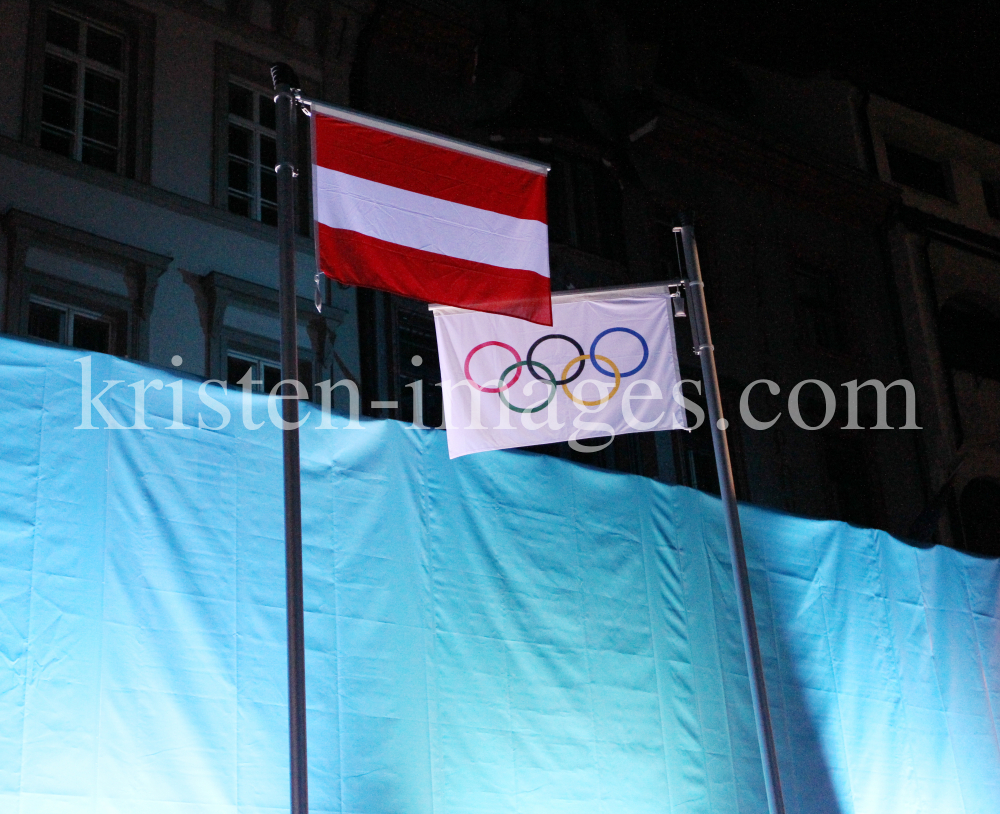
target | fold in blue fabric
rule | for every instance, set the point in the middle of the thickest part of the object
(504, 632)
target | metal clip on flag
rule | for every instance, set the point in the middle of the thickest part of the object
(427, 217)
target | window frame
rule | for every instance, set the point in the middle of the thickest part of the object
(86, 65)
(597, 211)
(217, 291)
(262, 351)
(244, 69)
(74, 310)
(905, 152)
(259, 361)
(831, 442)
(137, 28)
(140, 271)
(694, 446)
(991, 195)
(258, 131)
(386, 367)
(969, 541)
(811, 326)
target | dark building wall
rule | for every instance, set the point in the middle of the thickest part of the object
(797, 292)
(812, 272)
(791, 230)
(945, 242)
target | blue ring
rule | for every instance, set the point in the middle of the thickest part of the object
(602, 334)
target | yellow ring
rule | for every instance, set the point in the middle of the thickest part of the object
(599, 402)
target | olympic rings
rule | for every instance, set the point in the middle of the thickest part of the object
(573, 342)
(554, 383)
(598, 402)
(543, 405)
(480, 388)
(601, 335)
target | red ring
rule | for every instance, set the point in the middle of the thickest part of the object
(468, 376)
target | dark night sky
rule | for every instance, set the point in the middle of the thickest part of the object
(943, 59)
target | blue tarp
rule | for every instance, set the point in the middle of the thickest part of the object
(504, 632)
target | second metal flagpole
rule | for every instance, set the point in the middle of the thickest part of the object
(727, 489)
(285, 85)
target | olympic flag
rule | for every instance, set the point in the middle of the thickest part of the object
(606, 366)
(430, 218)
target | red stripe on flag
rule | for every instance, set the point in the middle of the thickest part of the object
(357, 259)
(417, 166)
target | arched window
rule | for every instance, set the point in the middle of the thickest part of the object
(970, 338)
(979, 506)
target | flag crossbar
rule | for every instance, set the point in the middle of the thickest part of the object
(590, 294)
(425, 136)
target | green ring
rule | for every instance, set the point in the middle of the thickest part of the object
(552, 383)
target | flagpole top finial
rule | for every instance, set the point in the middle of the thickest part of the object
(282, 74)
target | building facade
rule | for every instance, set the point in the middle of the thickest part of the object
(138, 201)
(945, 243)
(137, 144)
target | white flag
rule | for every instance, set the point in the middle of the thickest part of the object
(605, 367)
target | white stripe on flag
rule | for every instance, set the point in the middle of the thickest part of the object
(430, 224)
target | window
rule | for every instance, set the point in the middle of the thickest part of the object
(83, 88)
(243, 333)
(688, 458)
(818, 317)
(979, 506)
(991, 192)
(585, 206)
(694, 457)
(412, 41)
(265, 371)
(848, 470)
(418, 361)
(76, 289)
(399, 347)
(66, 325)
(89, 84)
(245, 141)
(694, 451)
(970, 337)
(918, 172)
(252, 182)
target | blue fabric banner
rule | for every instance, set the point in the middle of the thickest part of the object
(504, 632)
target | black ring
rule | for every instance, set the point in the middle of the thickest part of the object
(531, 364)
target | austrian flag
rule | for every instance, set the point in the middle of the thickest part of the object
(430, 218)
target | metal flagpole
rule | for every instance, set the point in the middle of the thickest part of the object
(285, 86)
(755, 667)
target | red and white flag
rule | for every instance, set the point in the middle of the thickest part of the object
(429, 218)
